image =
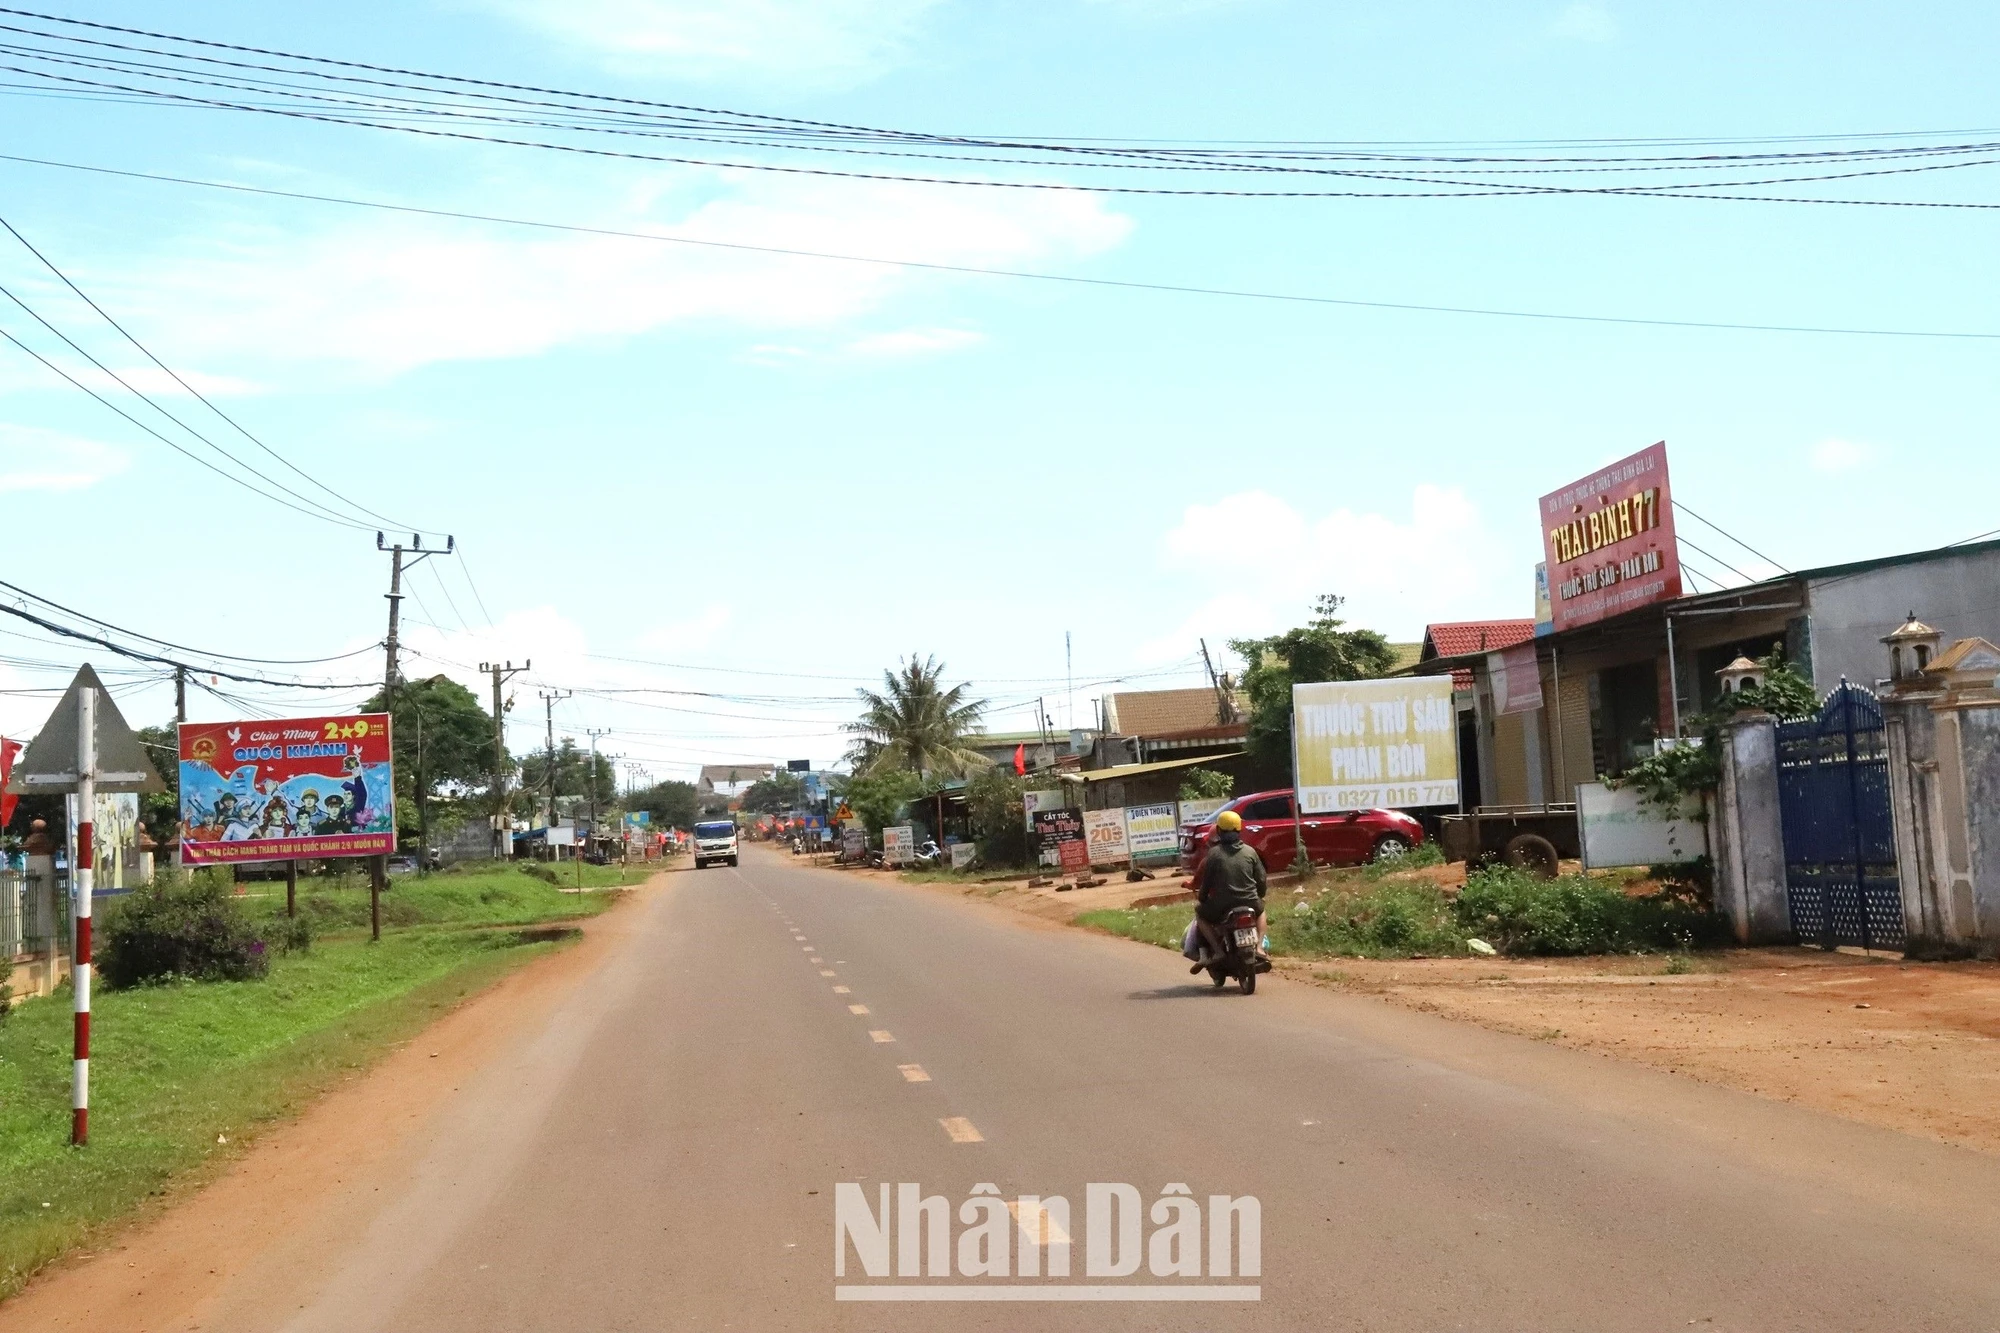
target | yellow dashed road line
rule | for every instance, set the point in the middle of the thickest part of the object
(961, 1130)
(857, 1008)
(880, 1036)
(914, 1074)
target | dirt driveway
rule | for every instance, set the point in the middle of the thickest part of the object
(1909, 1046)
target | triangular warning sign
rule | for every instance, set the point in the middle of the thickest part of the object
(50, 764)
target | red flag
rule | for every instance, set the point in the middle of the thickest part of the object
(1020, 761)
(8, 749)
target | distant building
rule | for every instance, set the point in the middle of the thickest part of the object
(1593, 699)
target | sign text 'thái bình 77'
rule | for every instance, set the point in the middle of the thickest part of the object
(304, 787)
(1609, 541)
(1362, 744)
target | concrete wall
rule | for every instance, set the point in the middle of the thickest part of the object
(1956, 595)
(1748, 837)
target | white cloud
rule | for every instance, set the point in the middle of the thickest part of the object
(691, 635)
(1584, 22)
(912, 342)
(1256, 563)
(32, 459)
(387, 296)
(1838, 455)
(822, 42)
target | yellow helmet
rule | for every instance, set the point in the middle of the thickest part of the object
(1228, 820)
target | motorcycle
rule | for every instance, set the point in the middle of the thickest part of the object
(1240, 958)
(930, 854)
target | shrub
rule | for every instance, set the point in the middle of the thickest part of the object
(1521, 914)
(192, 929)
(6, 1001)
(289, 934)
(541, 872)
(1386, 920)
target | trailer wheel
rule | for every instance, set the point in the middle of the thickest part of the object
(1533, 853)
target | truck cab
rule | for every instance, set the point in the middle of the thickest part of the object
(714, 842)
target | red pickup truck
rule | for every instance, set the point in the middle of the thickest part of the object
(1346, 839)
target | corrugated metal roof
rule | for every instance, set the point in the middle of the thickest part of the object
(1163, 712)
(1118, 771)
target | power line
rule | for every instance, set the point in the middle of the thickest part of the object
(325, 514)
(176, 377)
(141, 656)
(167, 643)
(1731, 536)
(1179, 289)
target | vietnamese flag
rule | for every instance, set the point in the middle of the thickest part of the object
(8, 751)
(1020, 761)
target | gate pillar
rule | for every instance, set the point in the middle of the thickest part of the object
(1750, 840)
(1944, 749)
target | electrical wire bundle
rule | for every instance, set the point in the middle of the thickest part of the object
(53, 55)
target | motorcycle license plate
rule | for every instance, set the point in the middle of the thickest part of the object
(1246, 939)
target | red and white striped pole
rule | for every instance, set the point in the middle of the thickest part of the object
(84, 879)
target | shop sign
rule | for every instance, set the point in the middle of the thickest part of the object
(1609, 541)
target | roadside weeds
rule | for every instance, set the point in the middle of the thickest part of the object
(185, 1075)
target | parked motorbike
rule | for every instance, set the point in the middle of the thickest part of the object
(1240, 958)
(930, 854)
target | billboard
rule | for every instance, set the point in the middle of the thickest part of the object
(1104, 836)
(1609, 541)
(1059, 834)
(1360, 744)
(276, 791)
(1153, 832)
(899, 844)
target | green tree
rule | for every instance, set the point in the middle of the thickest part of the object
(574, 777)
(778, 794)
(443, 743)
(672, 803)
(160, 812)
(879, 797)
(999, 818)
(1318, 651)
(1205, 784)
(916, 725)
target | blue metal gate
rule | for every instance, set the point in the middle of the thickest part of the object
(1840, 841)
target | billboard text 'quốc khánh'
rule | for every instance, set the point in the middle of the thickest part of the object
(305, 787)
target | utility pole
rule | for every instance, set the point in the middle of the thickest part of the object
(180, 693)
(594, 733)
(395, 596)
(501, 674)
(84, 885)
(549, 700)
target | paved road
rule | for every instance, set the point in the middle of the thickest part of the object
(664, 1154)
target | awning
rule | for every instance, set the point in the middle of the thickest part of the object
(1118, 772)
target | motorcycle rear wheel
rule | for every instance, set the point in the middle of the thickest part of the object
(1249, 983)
(1219, 977)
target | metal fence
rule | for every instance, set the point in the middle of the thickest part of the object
(29, 921)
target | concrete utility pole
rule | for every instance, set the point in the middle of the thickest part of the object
(501, 674)
(180, 694)
(390, 670)
(549, 699)
(594, 733)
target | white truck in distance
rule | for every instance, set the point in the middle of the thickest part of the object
(714, 841)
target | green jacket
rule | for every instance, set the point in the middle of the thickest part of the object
(1231, 877)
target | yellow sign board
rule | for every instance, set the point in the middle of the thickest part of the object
(1360, 744)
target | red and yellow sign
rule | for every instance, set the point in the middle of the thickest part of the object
(1609, 541)
(276, 791)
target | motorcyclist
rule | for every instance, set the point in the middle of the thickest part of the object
(1232, 876)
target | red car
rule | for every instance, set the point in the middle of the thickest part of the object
(1346, 839)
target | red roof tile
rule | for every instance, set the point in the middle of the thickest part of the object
(1456, 638)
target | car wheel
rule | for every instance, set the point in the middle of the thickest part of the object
(1392, 847)
(1533, 853)
(732, 860)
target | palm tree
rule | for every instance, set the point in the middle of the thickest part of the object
(916, 724)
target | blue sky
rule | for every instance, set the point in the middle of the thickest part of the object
(748, 463)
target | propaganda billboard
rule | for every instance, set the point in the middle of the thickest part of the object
(277, 791)
(1363, 744)
(1609, 541)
